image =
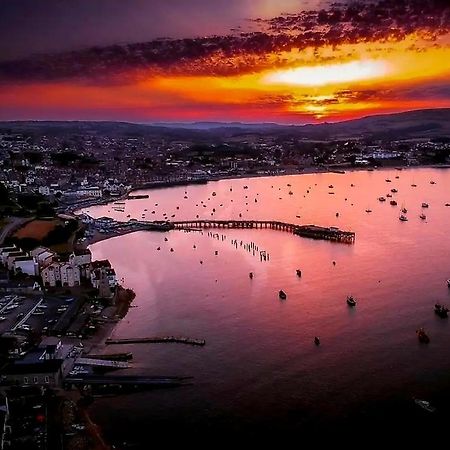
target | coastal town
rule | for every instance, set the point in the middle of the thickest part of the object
(58, 306)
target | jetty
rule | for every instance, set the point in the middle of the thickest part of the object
(156, 340)
(308, 231)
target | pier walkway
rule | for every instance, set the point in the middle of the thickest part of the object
(156, 340)
(309, 231)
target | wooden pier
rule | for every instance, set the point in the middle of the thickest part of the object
(156, 340)
(308, 231)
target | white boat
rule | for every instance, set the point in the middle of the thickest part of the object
(425, 405)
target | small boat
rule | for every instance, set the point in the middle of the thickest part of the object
(393, 203)
(381, 199)
(441, 311)
(432, 182)
(397, 177)
(316, 340)
(282, 295)
(404, 210)
(388, 180)
(368, 210)
(299, 273)
(291, 193)
(250, 275)
(414, 185)
(388, 195)
(331, 186)
(394, 190)
(403, 218)
(351, 301)
(425, 405)
(422, 336)
(425, 205)
(423, 216)
(448, 282)
(213, 194)
(337, 214)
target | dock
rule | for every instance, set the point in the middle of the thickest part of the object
(122, 381)
(156, 340)
(308, 231)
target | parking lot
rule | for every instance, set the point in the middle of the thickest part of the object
(26, 314)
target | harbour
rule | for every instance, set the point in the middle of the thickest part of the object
(264, 345)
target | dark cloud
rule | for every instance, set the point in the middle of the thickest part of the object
(381, 21)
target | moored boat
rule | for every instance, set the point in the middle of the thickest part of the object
(441, 311)
(425, 405)
(351, 301)
(422, 336)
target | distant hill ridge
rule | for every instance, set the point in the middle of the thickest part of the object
(426, 123)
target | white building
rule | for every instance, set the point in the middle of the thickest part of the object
(43, 256)
(81, 258)
(70, 275)
(12, 257)
(26, 265)
(93, 191)
(51, 275)
(61, 274)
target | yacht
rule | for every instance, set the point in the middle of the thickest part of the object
(425, 405)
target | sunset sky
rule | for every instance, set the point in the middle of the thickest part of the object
(285, 61)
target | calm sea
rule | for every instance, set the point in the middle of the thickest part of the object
(260, 373)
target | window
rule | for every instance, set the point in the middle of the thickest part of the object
(35, 379)
(25, 380)
(47, 379)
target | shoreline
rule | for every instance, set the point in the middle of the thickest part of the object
(75, 208)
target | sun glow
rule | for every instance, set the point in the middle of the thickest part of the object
(330, 74)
